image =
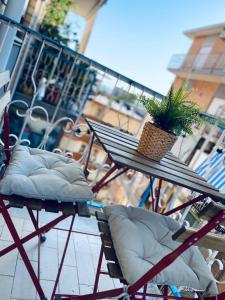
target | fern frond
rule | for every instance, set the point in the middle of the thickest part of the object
(175, 113)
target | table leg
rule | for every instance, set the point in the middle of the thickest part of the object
(158, 195)
(102, 182)
(152, 192)
(88, 155)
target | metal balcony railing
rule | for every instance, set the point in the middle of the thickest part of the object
(50, 85)
(52, 82)
(210, 64)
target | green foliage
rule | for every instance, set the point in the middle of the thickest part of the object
(53, 23)
(131, 98)
(175, 113)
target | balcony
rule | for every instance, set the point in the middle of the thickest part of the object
(199, 66)
(51, 88)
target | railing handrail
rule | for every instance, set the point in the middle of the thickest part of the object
(197, 54)
(82, 57)
(188, 60)
(213, 120)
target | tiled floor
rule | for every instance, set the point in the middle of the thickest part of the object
(79, 267)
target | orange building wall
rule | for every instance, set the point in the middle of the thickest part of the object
(219, 46)
(196, 45)
(202, 91)
(107, 114)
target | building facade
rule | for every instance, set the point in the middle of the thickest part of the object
(204, 67)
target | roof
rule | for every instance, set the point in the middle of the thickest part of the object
(121, 109)
(86, 8)
(205, 31)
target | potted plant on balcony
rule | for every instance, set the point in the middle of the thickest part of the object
(172, 116)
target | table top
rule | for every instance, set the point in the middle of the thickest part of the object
(122, 150)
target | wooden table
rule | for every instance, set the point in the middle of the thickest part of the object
(121, 149)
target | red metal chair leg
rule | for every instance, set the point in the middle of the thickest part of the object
(98, 270)
(165, 292)
(32, 217)
(30, 236)
(145, 291)
(19, 246)
(35, 222)
(63, 257)
(158, 195)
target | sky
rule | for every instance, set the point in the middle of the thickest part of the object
(138, 37)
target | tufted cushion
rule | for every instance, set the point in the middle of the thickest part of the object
(40, 174)
(142, 238)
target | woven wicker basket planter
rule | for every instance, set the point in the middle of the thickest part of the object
(155, 142)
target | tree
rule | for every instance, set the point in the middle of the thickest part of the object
(53, 24)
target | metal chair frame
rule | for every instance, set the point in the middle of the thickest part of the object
(6, 202)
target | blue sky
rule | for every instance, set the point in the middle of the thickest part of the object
(138, 37)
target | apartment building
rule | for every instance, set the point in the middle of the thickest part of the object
(204, 67)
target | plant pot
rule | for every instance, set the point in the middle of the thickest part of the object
(155, 142)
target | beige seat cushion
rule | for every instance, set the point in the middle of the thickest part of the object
(142, 238)
(40, 174)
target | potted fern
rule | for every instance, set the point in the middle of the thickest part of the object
(174, 115)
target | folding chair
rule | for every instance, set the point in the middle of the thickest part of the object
(143, 247)
(135, 240)
(37, 179)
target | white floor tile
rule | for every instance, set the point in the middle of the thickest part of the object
(105, 283)
(94, 240)
(51, 239)
(78, 274)
(1, 228)
(23, 287)
(68, 282)
(81, 243)
(28, 226)
(49, 263)
(18, 223)
(1, 220)
(6, 283)
(86, 225)
(86, 272)
(95, 252)
(70, 258)
(47, 287)
(8, 261)
(31, 247)
(117, 283)
(86, 289)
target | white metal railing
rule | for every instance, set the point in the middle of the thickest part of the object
(51, 83)
(213, 64)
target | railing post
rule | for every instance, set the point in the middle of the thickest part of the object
(14, 10)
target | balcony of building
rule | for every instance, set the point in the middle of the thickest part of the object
(53, 89)
(210, 67)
